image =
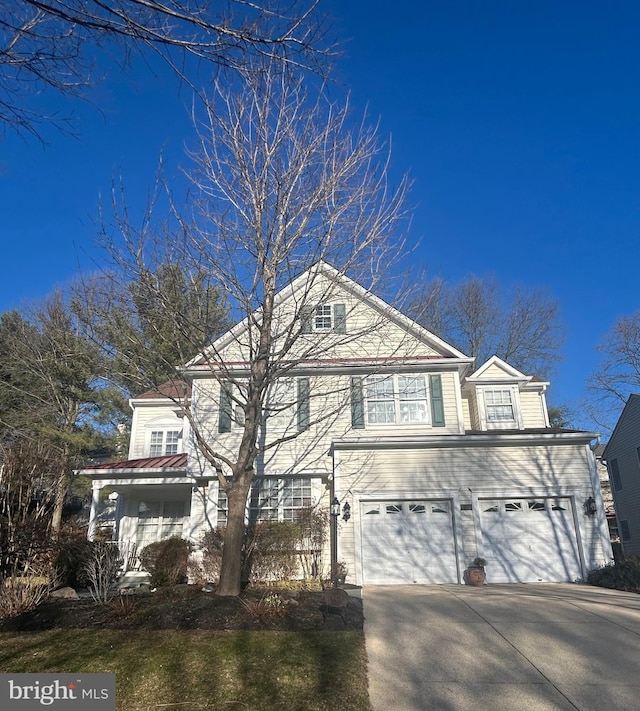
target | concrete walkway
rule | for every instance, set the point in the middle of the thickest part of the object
(502, 647)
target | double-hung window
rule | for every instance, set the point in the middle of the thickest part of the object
(499, 405)
(164, 442)
(396, 399)
(324, 318)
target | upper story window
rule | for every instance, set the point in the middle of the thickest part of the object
(616, 479)
(287, 406)
(395, 399)
(499, 407)
(324, 318)
(164, 442)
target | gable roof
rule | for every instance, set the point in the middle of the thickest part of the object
(302, 284)
(508, 374)
(633, 401)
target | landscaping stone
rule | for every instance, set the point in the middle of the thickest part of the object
(65, 594)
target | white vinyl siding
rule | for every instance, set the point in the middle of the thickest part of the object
(461, 475)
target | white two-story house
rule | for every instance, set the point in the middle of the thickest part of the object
(433, 460)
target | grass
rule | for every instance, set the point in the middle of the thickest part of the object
(257, 671)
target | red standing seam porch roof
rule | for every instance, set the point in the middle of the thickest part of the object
(168, 461)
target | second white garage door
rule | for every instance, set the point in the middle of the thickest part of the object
(529, 540)
(408, 542)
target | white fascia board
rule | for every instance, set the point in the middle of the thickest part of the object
(132, 481)
(503, 365)
(466, 440)
(141, 473)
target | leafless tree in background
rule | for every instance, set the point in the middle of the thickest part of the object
(477, 317)
(51, 45)
(619, 373)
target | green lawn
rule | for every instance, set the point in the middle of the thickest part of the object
(257, 671)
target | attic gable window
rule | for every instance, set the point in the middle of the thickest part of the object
(324, 318)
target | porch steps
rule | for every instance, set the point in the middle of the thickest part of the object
(133, 579)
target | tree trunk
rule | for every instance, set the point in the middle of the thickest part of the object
(58, 503)
(231, 567)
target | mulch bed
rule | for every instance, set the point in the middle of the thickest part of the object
(187, 607)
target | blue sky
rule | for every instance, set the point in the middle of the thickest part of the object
(519, 123)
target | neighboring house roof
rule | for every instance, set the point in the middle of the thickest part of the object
(633, 401)
(168, 461)
(174, 390)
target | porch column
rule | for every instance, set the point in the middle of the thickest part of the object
(93, 515)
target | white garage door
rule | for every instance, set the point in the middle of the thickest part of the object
(529, 540)
(408, 542)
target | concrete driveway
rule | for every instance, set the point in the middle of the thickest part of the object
(502, 647)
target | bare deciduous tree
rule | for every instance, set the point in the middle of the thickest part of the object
(284, 181)
(50, 44)
(520, 327)
(619, 373)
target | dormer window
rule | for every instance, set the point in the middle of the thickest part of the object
(499, 407)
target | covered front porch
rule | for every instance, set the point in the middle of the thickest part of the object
(155, 499)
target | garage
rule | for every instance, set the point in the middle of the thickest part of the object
(406, 542)
(528, 540)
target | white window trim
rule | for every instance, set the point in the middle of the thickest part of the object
(163, 426)
(316, 495)
(330, 316)
(486, 424)
(397, 402)
(159, 524)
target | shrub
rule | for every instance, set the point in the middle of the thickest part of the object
(101, 568)
(166, 561)
(269, 606)
(24, 589)
(313, 527)
(622, 575)
(271, 551)
(71, 562)
(207, 567)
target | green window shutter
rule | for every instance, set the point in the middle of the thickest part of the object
(437, 401)
(303, 404)
(224, 416)
(306, 319)
(357, 404)
(339, 318)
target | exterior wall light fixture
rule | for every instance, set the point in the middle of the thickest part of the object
(590, 506)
